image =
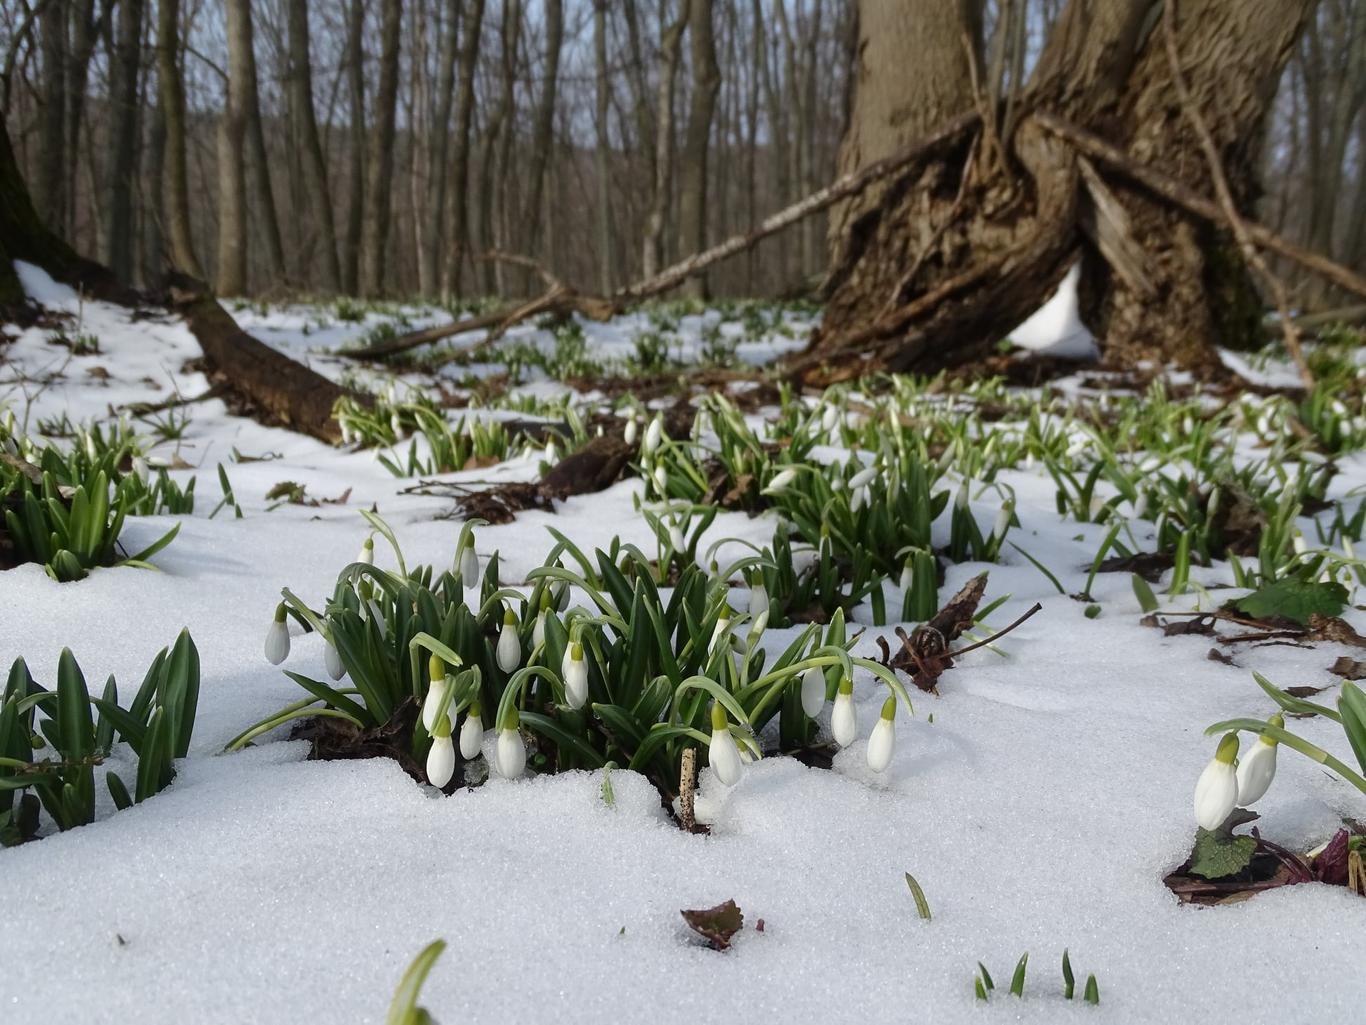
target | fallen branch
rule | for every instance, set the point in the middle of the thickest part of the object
(1177, 192)
(1221, 189)
(563, 299)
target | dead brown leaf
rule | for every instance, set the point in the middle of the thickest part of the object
(716, 925)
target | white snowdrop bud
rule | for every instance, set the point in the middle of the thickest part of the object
(813, 691)
(538, 631)
(782, 479)
(758, 598)
(346, 435)
(396, 424)
(676, 540)
(1216, 791)
(140, 469)
(277, 638)
(574, 672)
(1301, 546)
(661, 479)
(837, 484)
(882, 741)
(961, 499)
(717, 631)
(631, 430)
(759, 624)
(436, 693)
(472, 734)
(367, 551)
(722, 753)
(863, 478)
(1029, 460)
(509, 645)
(332, 660)
(858, 499)
(441, 757)
(654, 434)
(830, 418)
(469, 565)
(1258, 768)
(907, 576)
(509, 754)
(1141, 505)
(843, 717)
(1002, 524)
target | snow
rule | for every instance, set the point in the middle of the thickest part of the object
(1039, 810)
(1055, 328)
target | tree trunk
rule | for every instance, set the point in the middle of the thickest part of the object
(49, 193)
(543, 135)
(260, 160)
(601, 110)
(706, 82)
(379, 183)
(314, 163)
(458, 239)
(123, 141)
(435, 200)
(355, 199)
(941, 262)
(232, 136)
(177, 185)
(671, 43)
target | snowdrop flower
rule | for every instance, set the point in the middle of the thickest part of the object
(661, 479)
(472, 734)
(1002, 524)
(1216, 791)
(574, 673)
(140, 469)
(858, 499)
(759, 624)
(346, 434)
(441, 757)
(843, 718)
(551, 453)
(676, 539)
(961, 499)
(882, 741)
(654, 434)
(631, 430)
(1141, 506)
(469, 565)
(332, 660)
(783, 479)
(509, 645)
(367, 551)
(396, 424)
(907, 576)
(436, 693)
(758, 598)
(509, 755)
(1301, 546)
(722, 753)
(813, 691)
(830, 418)
(277, 638)
(837, 484)
(717, 631)
(1258, 769)
(863, 478)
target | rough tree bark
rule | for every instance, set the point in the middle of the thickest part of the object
(123, 138)
(602, 96)
(379, 182)
(706, 82)
(543, 136)
(232, 168)
(671, 42)
(177, 187)
(355, 182)
(437, 154)
(458, 237)
(937, 266)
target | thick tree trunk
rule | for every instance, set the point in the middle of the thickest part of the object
(232, 137)
(49, 193)
(938, 266)
(314, 163)
(379, 183)
(177, 185)
(706, 82)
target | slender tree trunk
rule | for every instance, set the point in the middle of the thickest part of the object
(314, 163)
(671, 44)
(355, 199)
(458, 246)
(260, 161)
(544, 131)
(82, 47)
(706, 81)
(493, 152)
(177, 186)
(232, 137)
(49, 188)
(601, 111)
(123, 139)
(438, 155)
(153, 257)
(379, 183)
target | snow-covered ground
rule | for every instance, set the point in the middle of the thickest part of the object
(1039, 809)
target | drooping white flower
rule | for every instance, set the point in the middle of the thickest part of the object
(961, 499)
(1300, 544)
(436, 693)
(332, 660)
(722, 622)
(1002, 523)
(782, 479)
(882, 741)
(396, 424)
(863, 478)
(631, 430)
(277, 638)
(830, 417)
(552, 454)
(1216, 791)
(813, 691)
(574, 673)
(844, 717)
(1257, 769)
(441, 757)
(654, 434)
(538, 631)
(722, 753)
(907, 576)
(140, 469)
(509, 753)
(509, 644)
(661, 479)
(759, 624)
(857, 499)
(472, 734)
(758, 598)
(469, 565)
(367, 551)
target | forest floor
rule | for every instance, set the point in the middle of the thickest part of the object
(1039, 798)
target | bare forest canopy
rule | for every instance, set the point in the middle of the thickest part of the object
(379, 146)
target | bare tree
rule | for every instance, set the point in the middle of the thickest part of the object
(379, 182)
(314, 164)
(601, 111)
(458, 237)
(706, 80)
(543, 136)
(671, 44)
(125, 63)
(177, 186)
(438, 154)
(355, 182)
